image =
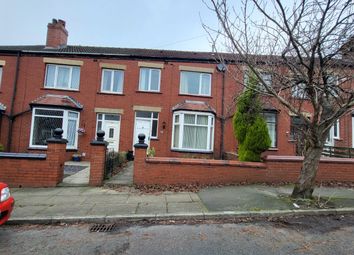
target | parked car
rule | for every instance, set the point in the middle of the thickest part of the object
(7, 203)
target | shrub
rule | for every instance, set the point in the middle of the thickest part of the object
(1, 147)
(250, 128)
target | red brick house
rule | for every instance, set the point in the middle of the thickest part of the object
(180, 100)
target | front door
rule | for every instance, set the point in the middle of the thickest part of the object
(142, 127)
(110, 124)
(111, 128)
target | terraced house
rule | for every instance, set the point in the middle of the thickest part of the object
(182, 101)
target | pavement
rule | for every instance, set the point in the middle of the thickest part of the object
(100, 205)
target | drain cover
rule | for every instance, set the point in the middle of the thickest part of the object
(102, 227)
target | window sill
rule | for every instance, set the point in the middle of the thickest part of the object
(154, 139)
(110, 93)
(150, 92)
(273, 149)
(191, 151)
(190, 95)
(337, 138)
(45, 148)
(71, 90)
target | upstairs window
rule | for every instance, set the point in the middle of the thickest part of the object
(266, 77)
(195, 83)
(149, 79)
(298, 91)
(62, 77)
(112, 81)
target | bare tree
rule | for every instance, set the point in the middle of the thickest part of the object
(299, 47)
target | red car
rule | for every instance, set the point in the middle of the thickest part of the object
(6, 203)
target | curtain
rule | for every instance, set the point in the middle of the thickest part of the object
(63, 77)
(75, 78)
(144, 79)
(107, 80)
(118, 81)
(155, 79)
(71, 133)
(50, 76)
(205, 86)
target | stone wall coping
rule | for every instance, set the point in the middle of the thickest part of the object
(207, 162)
(23, 155)
(274, 158)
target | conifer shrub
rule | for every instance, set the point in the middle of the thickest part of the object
(250, 128)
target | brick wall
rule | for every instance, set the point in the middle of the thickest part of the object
(33, 170)
(275, 169)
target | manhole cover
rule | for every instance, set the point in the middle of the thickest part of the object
(102, 227)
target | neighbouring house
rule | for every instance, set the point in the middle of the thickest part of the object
(180, 100)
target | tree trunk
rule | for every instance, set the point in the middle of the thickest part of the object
(306, 182)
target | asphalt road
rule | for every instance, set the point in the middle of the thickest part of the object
(309, 235)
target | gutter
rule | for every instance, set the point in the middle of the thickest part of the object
(11, 116)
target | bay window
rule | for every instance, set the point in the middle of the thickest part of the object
(195, 83)
(62, 77)
(45, 120)
(193, 131)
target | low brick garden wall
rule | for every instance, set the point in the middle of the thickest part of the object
(275, 169)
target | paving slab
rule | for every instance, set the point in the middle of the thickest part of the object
(68, 211)
(27, 211)
(135, 198)
(33, 200)
(179, 197)
(190, 207)
(106, 199)
(151, 208)
(113, 209)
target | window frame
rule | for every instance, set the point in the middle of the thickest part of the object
(112, 81)
(275, 113)
(151, 122)
(260, 86)
(199, 85)
(65, 118)
(55, 86)
(336, 127)
(210, 135)
(149, 83)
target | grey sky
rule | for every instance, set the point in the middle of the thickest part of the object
(164, 24)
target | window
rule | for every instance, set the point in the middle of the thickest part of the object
(149, 79)
(296, 125)
(193, 131)
(299, 91)
(44, 121)
(332, 87)
(266, 77)
(271, 119)
(112, 81)
(194, 83)
(0, 75)
(336, 129)
(62, 77)
(153, 117)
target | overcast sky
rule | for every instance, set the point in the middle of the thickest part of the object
(163, 24)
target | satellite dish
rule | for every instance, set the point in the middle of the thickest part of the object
(221, 67)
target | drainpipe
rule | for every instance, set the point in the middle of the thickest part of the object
(11, 116)
(222, 68)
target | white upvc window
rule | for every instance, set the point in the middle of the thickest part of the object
(195, 83)
(150, 79)
(112, 81)
(62, 77)
(298, 91)
(45, 120)
(265, 76)
(193, 131)
(271, 120)
(336, 130)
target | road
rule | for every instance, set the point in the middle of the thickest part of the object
(309, 235)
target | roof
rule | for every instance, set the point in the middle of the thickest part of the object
(114, 51)
(61, 101)
(189, 105)
(2, 107)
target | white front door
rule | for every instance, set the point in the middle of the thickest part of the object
(142, 127)
(110, 124)
(112, 129)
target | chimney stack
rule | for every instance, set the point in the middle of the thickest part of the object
(57, 35)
